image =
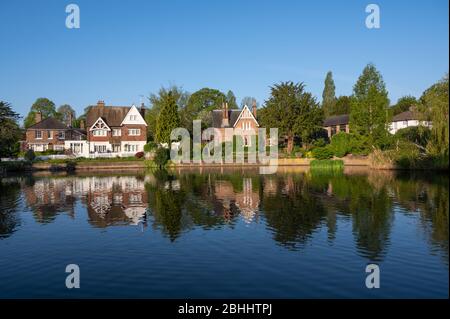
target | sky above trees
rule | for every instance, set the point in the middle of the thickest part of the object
(125, 50)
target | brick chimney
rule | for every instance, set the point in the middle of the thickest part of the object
(143, 109)
(38, 117)
(225, 119)
(82, 125)
(254, 108)
(101, 103)
(70, 120)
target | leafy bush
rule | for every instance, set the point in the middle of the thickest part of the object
(359, 144)
(161, 156)
(320, 142)
(414, 134)
(341, 144)
(322, 153)
(150, 146)
(29, 155)
(139, 155)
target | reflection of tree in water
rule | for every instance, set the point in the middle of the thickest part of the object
(9, 198)
(292, 211)
(428, 195)
(370, 208)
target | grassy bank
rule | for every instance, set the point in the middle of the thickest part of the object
(330, 165)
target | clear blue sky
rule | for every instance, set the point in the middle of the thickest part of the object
(125, 49)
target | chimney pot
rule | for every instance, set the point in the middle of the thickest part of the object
(254, 108)
(101, 103)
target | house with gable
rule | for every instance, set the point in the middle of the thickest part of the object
(244, 121)
(115, 130)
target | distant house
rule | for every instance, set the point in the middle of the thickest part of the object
(339, 123)
(116, 130)
(244, 120)
(405, 119)
(52, 134)
(336, 124)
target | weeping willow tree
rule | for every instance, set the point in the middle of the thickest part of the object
(434, 107)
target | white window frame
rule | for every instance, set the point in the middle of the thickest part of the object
(134, 132)
(36, 135)
(50, 135)
(116, 132)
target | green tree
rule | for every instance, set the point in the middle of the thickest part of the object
(200, 105)
(434, 107)
(157, 101)
(329, 95)
(66, 114)
(369, 114)
(231, 100)
(342, 106)
(404, 104)
(43, 105)
(168, 119)
(10, 132)
(293, 111)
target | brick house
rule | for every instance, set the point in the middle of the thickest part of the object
(337, 123)
(52, 134)
(116, 130)
(243, 121)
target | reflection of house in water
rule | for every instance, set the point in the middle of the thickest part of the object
(49, 197)
(245, 202)
(116, 201)
(109, 200)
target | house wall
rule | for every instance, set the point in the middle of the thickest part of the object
(397, 125)
(44, 143)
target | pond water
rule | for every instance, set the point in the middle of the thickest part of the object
(225, 234)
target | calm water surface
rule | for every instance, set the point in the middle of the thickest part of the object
(296, 234)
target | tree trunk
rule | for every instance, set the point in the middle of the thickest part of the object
(290, 144)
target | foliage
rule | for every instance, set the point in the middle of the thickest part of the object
(320, 142)
(231, 100)
(157, 101)
(161, 157)
(369, 114)
(341, 144)
(43, 105)
(434, 107)
(342, 106)
(168, 119)
(10, 132)
(66, 114)
(29, 155)
(150, 146)
(403, 104)
(322, 153)
(359, 144)
(293, 111)
(200, 105)
(329, 95)
(139, 155)
(414, 134)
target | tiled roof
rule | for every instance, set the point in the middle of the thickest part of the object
(112, 115)
(404, 116)
(50, 123)
(217, 117)
(336, 120)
